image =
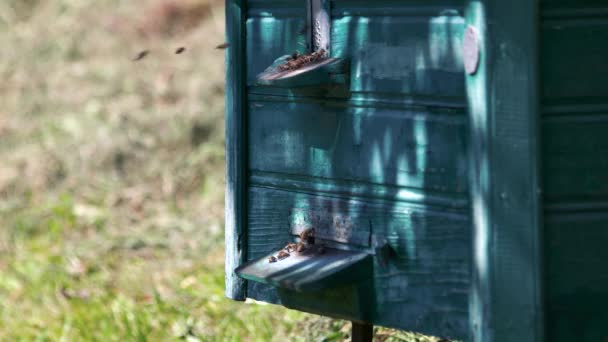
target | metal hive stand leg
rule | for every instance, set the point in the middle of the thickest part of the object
(362, 332)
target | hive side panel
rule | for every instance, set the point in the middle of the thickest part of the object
(574, 51)
(421, 149)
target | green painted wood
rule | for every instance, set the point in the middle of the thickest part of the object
(389, 152)
(330, 71)
(318, 268)
(576, 278)
(416, 148)
(574, 51)
(575, 158)
(506, 291)
(236, 158)
(424, 285)
(424, 59)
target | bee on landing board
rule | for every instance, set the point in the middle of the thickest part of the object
(290, 247)
(307, 235)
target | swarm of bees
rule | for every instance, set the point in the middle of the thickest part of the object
(306, 240)
(297, 60)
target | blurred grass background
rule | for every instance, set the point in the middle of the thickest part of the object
(112, 178)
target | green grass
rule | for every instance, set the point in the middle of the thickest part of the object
(112, 179)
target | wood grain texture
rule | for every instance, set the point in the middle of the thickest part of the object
(423, 287)
(419, 149)
(236, 158)
(506, 291)
(424, 60)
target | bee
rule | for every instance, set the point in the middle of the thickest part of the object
(282, 255)
(300, 247)
(296, 60)
(222, 46)
(272, 259)
(180, 50)
(290, 247)
(307, 235)
(141, 55)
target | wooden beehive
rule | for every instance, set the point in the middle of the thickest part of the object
(448, 154)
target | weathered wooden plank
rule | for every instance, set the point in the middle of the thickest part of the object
(395, 7)
(506, 292)
(236, 158)
(433, 104)
(412, 148)
(337, 187)
(425, 59)
(423, 286)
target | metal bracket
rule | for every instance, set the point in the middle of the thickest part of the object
(319, 25)
(362, 332)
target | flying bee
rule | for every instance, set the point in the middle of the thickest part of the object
(141, 55)
(282, 255)
(222, 46)
(180, 50)
(272, 259)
